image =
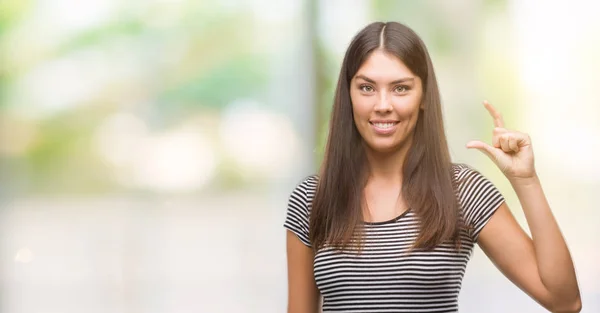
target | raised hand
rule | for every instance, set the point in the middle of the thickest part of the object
(511, 151)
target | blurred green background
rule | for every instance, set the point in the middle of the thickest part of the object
(147, 148)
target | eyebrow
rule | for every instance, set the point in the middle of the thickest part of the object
(397, 81)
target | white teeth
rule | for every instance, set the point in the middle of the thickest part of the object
(384, 125)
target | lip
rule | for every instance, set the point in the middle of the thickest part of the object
(384, 131)
(384, 121)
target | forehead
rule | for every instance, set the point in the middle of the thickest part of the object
(383, 66)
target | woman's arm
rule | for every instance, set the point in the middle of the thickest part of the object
(554, 260)
(541, 265)
(303, 295)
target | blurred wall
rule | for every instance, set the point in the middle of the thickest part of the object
(147, 148)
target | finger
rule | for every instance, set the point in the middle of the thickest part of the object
(513, 144)
(522, 139)
(483, 147)
(498, 120)
(504, 143)
(498, 131)
(496, 141)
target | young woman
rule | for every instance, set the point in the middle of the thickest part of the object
(390, 222)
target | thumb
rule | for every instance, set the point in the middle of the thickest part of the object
(483, 147)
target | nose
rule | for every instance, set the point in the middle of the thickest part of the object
(383, 105)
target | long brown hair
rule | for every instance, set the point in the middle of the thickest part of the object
(428, 186)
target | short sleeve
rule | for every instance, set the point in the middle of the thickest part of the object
(479, 199)
(298, 209)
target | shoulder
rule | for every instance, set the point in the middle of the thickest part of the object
(308, 184)
(461, 169)
(305, 190)
(478, 198)
(473, 188)
(299, 207)
(465, 175)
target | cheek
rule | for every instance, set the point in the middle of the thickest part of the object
(360, 107)
(407, 106)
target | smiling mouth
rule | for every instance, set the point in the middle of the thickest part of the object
(385, 125)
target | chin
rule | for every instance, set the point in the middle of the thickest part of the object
(384, 148)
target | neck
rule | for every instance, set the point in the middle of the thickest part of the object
(387, 167)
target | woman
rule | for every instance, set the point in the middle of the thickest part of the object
(390, 223)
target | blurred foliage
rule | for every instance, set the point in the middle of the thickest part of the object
(11, 12)
(216, 87)
(64, 159)
(438, 35)
(132, 28)
(217, 62)
(199, 59)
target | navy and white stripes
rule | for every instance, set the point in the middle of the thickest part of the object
(385, 276)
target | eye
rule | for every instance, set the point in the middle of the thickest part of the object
(366, 88)
(401, 89)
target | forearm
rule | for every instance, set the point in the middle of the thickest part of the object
(553, 257)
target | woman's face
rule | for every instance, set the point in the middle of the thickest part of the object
(386, 100)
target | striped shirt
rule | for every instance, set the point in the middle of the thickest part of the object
(385, 276)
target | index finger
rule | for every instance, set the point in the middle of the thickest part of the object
(498, 121)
